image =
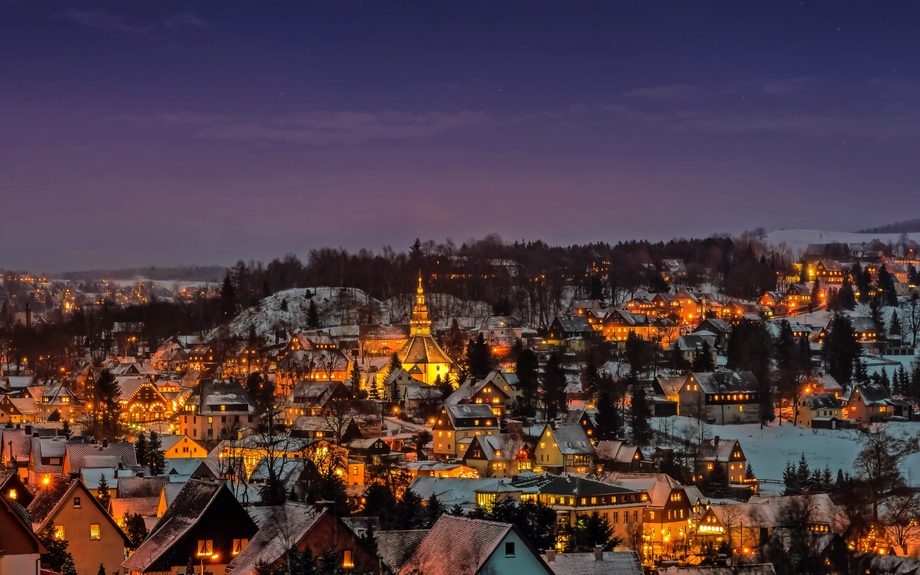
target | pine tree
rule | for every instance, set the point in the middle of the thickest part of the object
(885, 284)
(101, 570)
(791, 480)
(103, 495)
(803, 473)
(894, 327)
(749, 472)
(885, 381)
(57, 558)
(553, 386)
(840, 350)
(409, 512)
(702, 359)
(479, 360)
(355, 376)
(141, 449)
(846, 298)
(639, 410)
(135, 529)
(228, 297)
(394, 393)
(156, 460)
(106, 408)
(313, 316)
(607, 418)
(433, 510)
(815, 294)
(528, 379)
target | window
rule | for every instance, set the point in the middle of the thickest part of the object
(509, 549)
(239, 545)
(59, 532)
(347, 561)
(11, 494)
(210, 420)
(205, 547)
(616, 516)
(94, 534)
(76, 502)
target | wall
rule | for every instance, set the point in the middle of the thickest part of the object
(524, 561)
(19, 564)
(109, 550)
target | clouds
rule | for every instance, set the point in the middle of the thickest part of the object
(322, 128)
(98, 19)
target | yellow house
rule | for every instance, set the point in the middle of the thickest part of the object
(566, 448)
(76, 516)
(181, 447)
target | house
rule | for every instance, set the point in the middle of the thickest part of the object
(401, 380)
(305, 527)
(56, 397)
(500, 332)
(484, 392)
(142, 403)
(829, 272)
(12, 487)
(456, 425)
(395, 547)
(564, 449)
(117, 455)
(869, 403)
(181, 447)
(310, 397)
(687, 346)
(665, 518)
(796, 297)
(381, 340)
(727, 454)
(462, 546)
(585, 419)
(16, 450)
(502, 455)
(46, 458)
(819, 410)
(217, 409)
(617, 456)
(719, 328)
(573, 497)
(599, 562)
(19, 409)
(735, 569)
(570, 328)
(866, 330)
(668, 387)
(311, 364)
(204, 523)
(422, 399)
(21, 548)
(823, 383)
(721, 397)
(75, 515)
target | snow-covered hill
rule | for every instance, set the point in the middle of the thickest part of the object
(288, 310)
(798, 240)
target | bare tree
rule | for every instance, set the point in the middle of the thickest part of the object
(901, 515)
(911, 316)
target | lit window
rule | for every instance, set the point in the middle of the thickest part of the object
(12, 494)
(94, 534)
(239, 545)
(205, 547)
(347, 562)
(59, 532)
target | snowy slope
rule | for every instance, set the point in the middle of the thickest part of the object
(798, 240)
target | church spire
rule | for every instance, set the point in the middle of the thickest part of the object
(420, 324)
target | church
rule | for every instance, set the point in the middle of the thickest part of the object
(421, 356)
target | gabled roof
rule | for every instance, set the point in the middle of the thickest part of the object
(670, 385)
(618, 451)
(569, 485)
(51, 498)
(282, 527)
(658, 485)
(460, 546)
(574, 323)
(572, 439)
(821, 401)
(500, 447)
(131, 487)
(612, 563)
(77, 454)
(395, 547)
(716, 450)
(726, 381)
(191, 503)
(469, 388)
(871, 394)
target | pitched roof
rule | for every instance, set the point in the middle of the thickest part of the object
(572, 440)
(716, 450)
(78, 455)
(395, 547)
(459, 546)
(184, 512)
(612, 563)
(50, 499)
(821, 401)
(726, 381)
(569, 485)
(282, 527)
(422, 349)
(130, 487)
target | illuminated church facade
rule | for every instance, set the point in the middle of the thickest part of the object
(421, 356)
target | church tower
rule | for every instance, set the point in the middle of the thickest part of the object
(421, 356)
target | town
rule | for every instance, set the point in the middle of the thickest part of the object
(723, 405)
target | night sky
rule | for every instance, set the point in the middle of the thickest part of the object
(161, 133)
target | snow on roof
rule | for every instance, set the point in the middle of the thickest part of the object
(572, 439)
(726, 381)
(457, 546)
(458, 490)
(611, 563)
(395, 547)
(122, 452)
(143, 506)
(281, 527)
(740, 569)
(132, 487)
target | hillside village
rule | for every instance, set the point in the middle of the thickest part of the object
(743, 409)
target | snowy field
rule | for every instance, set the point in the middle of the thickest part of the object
(798, 240)
(769, 449)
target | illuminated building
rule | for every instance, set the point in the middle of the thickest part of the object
(421, 356)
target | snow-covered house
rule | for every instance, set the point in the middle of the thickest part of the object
(721, 397)
(567, 448)
(819, 410)
(502, 455)
(726, 454)
(456, 426)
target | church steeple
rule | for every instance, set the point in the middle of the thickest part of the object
(420, 324)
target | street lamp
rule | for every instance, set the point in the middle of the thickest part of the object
(213, 557)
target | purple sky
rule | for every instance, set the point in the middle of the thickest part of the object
(161, 133)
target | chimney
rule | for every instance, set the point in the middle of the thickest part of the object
(598, 553)
(550, 555)
(715, 441)
(28, 430)
(105, 443)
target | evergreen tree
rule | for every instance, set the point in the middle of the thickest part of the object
(141, 449)
(875, 312)
(228, 297)
(803, 473)
(860, 374)
(106, 408)
(313, 316)
(355, 376)
(702, 359)
(607, 417)
(903, 380)
(55, 416)
(815, 294)
(894, 327)
(379, 502)
(395, 396)
(102, 492)
(261, 391)
(840, 350)
(453, 340)
(885, 285)
(155, 458)
(885, 381)
(409, 512)
(845, 295)
(640, 412)
(135, 529)
(715, 483)
(266, 290)
(57, 558)
(456, 511)
(553, 386)
(415, 253)
(479, 360)
(749, 472)
(526, 371)
(791, 480)
(65, 429)
(433, 510)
